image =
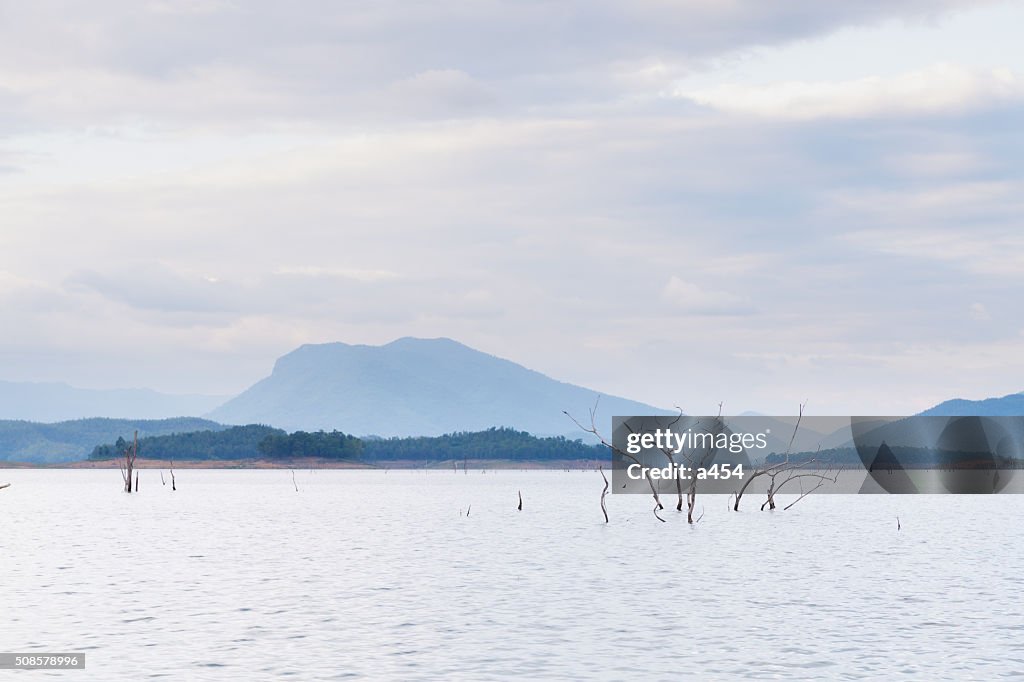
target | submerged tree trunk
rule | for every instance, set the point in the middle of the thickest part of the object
(604, 492)
(128, 465)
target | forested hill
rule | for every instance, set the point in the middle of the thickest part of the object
(497, 443)
(237, 442)
(263, 442)
(22, 441)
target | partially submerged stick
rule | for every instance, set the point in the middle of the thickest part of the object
(603, 493)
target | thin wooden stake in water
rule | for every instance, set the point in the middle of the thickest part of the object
(520, 500)
(5, 485)
(603, 493)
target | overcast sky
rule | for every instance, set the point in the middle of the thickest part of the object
(678, 202)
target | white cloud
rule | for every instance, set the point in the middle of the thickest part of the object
(218, 184)
(986, 253)
(359, 274)
(689, 297)
(937, 89)
(980, 312)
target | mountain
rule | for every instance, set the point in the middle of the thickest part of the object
(414, 387)
(22, 441)
(54, 402)
(1007, 406)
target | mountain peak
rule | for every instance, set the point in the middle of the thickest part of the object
(1006, 406)
(410, 387)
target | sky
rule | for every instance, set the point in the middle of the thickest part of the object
(683, 203)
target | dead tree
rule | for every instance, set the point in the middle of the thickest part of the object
(604, 492)
(593, 431)
(128, 464)
(769, 470)
(701, 463)
(672, 460)
(174, 485)
(787, 471)
(693, 461)
(798, 472)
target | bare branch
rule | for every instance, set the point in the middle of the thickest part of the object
(593, 430)
(603, 493)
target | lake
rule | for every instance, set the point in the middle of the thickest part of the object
(435, 575)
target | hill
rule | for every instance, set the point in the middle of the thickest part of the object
(1007, 406)
(413, 387)
(23, 441)
(236, 442)
(267, 443)
(56, 402)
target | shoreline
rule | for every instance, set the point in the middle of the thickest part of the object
(315, 463)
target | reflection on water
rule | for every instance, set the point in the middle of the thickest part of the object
(384, 575)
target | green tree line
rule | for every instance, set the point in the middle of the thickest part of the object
(494, 443)
(257, 441)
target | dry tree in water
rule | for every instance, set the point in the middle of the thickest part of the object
(128, 464)
(604, 492)
(788, 470)
(594, 432)
(691, 460)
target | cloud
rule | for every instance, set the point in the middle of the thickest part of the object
(159, 289)
(203, 190)
(259, 63)
(979, 312)
(359, 274)
(691, 298)
(938, 89)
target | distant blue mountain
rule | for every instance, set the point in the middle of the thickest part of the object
(414, 387)
(23, 441)
(1007, 406)
(54, 402)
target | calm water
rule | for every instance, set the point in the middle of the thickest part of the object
(384, 576)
